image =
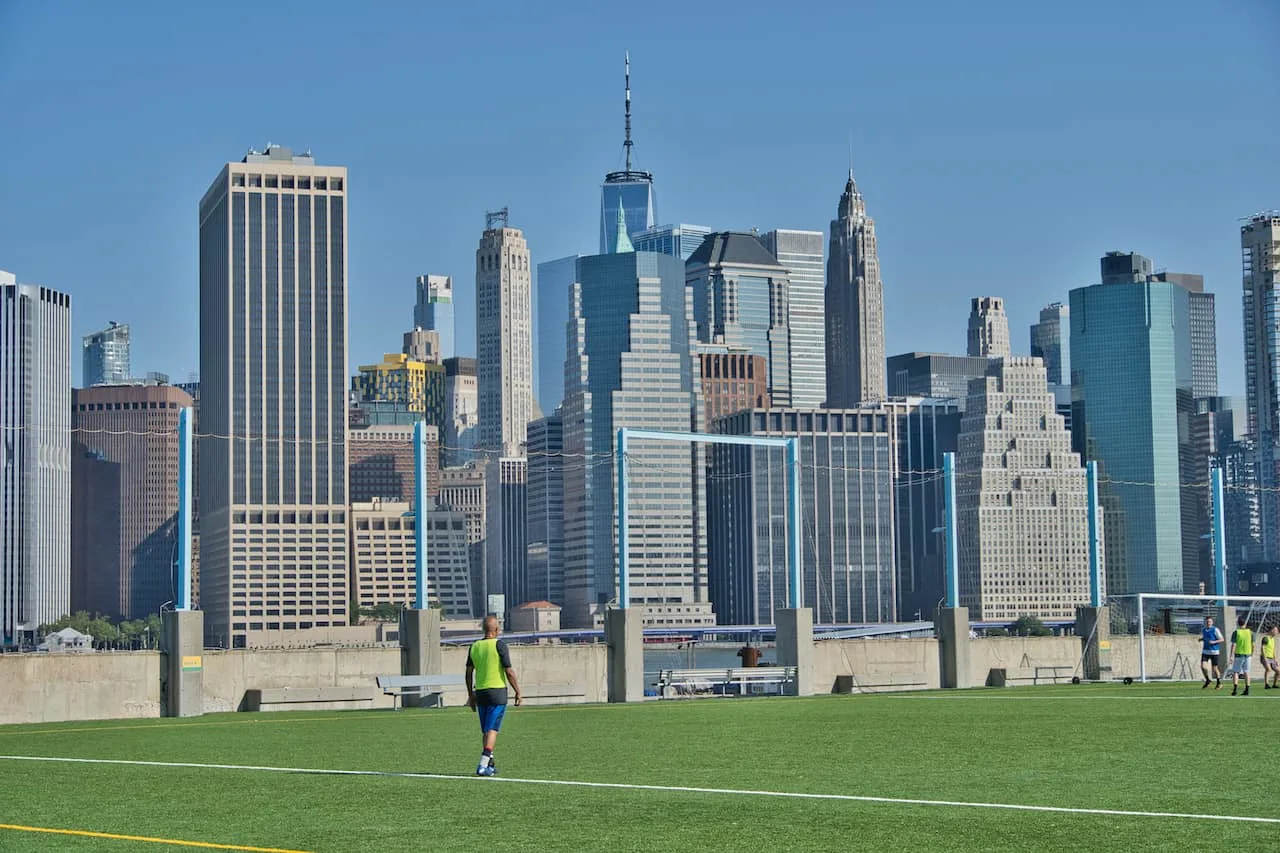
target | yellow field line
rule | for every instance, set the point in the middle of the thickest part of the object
(84, 833)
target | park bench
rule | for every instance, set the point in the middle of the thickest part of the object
(1054, 673)
(736, 681)
(398, 686)
(308, 698)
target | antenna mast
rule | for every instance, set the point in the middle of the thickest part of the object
(626, 73)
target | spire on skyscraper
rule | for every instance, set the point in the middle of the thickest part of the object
(622, 244)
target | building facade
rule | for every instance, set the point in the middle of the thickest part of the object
(629, 365)
(935, 375)
(106, 356)
(988, 328)
(35, 467)
(847, 512)
(433, 311)
(504, 338)
(679, 241)
(382, 463)
(800, 253)
(273, 376)
(506, 526)
(854, 302)
(1022, 508)
(461, 434)
(732, 382)
(422, 345)
(1260, 249)
(1051, 342)
(1203, 322)
(418, 386)
(384, 551)
(741, 300)
(463, 489)
(544, 538)
(1131, 394)
(551, 310)
(124, 473)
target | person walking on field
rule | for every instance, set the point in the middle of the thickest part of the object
(1242, 651)
(489, 672)
(1210, 650)
(1270, 668)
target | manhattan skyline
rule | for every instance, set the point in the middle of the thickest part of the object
(994, 116)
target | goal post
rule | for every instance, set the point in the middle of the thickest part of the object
(1155, 615)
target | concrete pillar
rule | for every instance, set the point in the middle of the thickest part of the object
(795, 645)
(420, 646)
(182, 663)
(1093, 627)
(624, 641)
(951, 626)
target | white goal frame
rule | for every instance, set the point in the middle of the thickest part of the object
(1250, 603)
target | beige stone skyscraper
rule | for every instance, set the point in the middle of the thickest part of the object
(273, 399)
(988, 328)
(504, 337)
(1021, 500)
(854, 301)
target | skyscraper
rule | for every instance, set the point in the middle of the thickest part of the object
(1260, 246)
(679, 241)
(800, 253)
(132, 429)
(630, 188)
(461, 402)
(545, 537)
(854, 301)
(106, 356)
(433, 310)
(935, 375)
(551, 313)
(1204, 332)
(273, 377)
(1131, 388)
(1051, 342)
(741, 299)
(988, 328)
(847, 507)
(504, 332)
(422, 345)
(384, 551)
(731, 382)
(629, 365)
(35, 465)
(1021, 500)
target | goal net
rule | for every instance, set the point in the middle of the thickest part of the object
(1167, 628)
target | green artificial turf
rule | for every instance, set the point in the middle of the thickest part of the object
(1168, 748)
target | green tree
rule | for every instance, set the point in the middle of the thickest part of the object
(1029, 626)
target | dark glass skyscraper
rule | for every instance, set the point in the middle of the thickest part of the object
(630, 188)
(106, 356)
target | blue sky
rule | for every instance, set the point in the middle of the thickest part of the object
(1002, 146)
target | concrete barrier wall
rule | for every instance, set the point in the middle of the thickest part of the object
(877, 665)
(1175, 656)
(1019, 657)
(551, 674)
(45, 688)
(228, 674)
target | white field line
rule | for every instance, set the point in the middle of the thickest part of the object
(683, 789)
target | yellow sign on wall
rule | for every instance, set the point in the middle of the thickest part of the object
(192, 663)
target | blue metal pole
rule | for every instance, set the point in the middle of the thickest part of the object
(794, 590)
(1095, 552)
(184, 509)
(1219, 535)
(953, 551)
(624, 572)
(420, 515)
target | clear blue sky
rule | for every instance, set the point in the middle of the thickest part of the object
(1002, 145)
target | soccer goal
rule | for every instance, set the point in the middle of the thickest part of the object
(1167, 628)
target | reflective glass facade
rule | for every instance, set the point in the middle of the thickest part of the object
(638, 206)
(800, 253)
(550, 316)
(1050, 341)
(106, 356)
(1131, 380)
(680, 241)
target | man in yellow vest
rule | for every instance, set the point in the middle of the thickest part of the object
(1242, 651)
(488, 674)
(1270, 668)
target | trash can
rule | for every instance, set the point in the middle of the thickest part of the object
(995, 677)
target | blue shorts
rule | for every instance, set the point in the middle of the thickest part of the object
(491, 717)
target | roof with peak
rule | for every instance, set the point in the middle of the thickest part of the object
(733, 247)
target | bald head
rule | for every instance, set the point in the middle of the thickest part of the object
(491, 626)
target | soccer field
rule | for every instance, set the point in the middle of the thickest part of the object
(1143, 767)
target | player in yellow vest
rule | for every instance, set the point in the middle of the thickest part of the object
(1270, 668)
(1242, 651)
(488, 674)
